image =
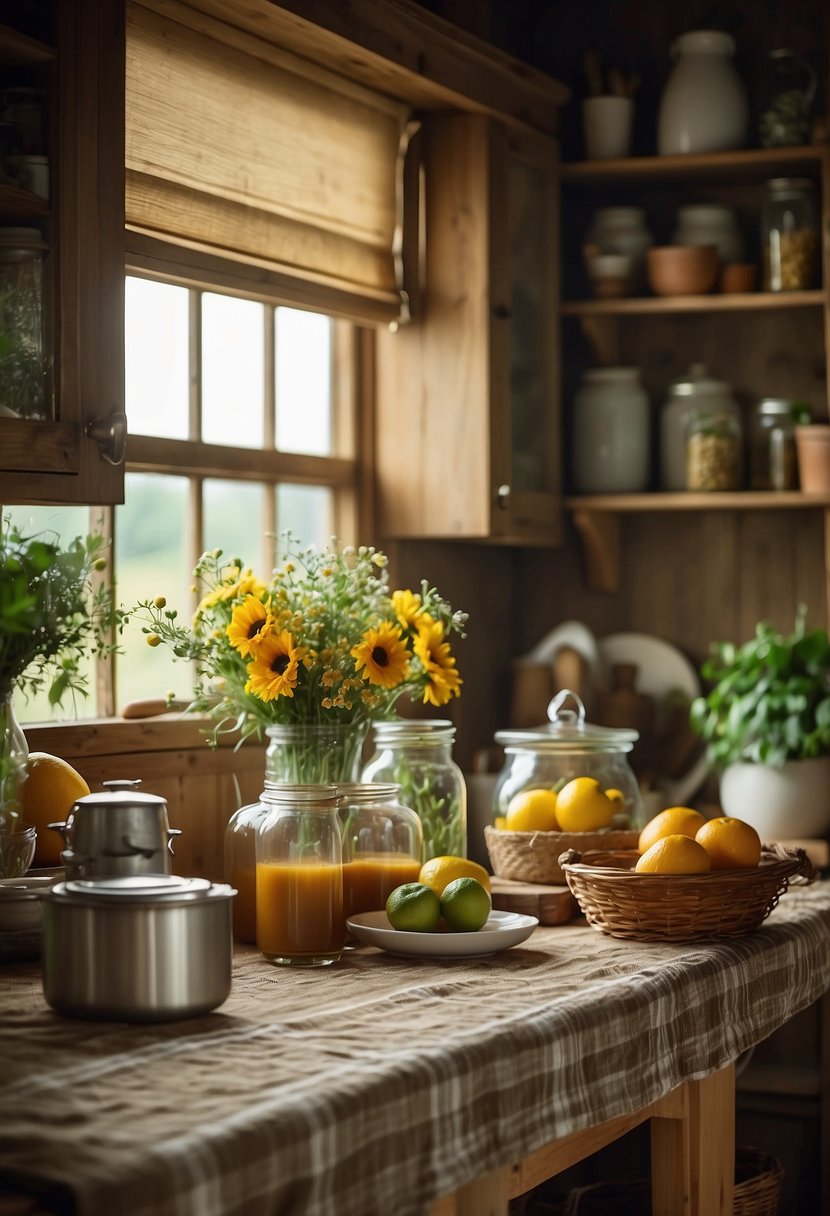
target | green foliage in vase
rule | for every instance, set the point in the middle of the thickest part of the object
(770, 697)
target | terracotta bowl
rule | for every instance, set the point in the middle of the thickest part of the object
(682, 270)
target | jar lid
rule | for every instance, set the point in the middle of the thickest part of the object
(705, 40)
(706, 211)
(409, 729)
(22, 238)
(611, 373)
(368, 791)
(697, 382)
(567, 731)
(137, 889)
(774, 405)
(782, 184)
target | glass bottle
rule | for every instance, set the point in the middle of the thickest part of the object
(383, 844)
(790, 234)
(23, 363)
(299, 876)
(714, 449)
(240, 867)
(416, 754)
(788, 88)
(772, 446)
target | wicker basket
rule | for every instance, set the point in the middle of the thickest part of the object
(534, 856)
(757, 1191)
(679, 907)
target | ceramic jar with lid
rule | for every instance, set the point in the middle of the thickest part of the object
(565, 748)
(790, 234)
(611, 432)
(695, 389)
(623, 230)
(703, 107)
(772, 454)
(710, 224)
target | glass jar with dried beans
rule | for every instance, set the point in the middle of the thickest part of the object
(790, 236)
(714, 450)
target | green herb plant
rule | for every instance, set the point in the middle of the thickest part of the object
(770, 697)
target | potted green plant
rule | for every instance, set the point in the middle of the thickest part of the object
(766, 722)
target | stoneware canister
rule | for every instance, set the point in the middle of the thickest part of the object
(703, 107)
(611, 451)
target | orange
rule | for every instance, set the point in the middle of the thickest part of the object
(676, 854)
(674, 820)
(731, 843)
(532, 810)
(583, 806)
(48, 793)
(439, 871)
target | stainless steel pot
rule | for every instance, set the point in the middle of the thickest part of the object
(119, 833)
(141, 949)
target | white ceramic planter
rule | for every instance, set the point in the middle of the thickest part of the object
(787, 803)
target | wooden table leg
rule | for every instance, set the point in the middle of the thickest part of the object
(693, 1156)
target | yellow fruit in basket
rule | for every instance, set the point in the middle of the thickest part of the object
(49, 791)
(532, 811)
(583, 806)
(682, 820)
(677, 854)
(439, 871)
(616, 796)
(500, 823)
(731, 843)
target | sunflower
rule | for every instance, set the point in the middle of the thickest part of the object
(273, 673)
(408, 607)
(382, 655)
(443, 681)
(250, 624)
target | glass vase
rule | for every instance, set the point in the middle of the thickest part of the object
(417, 756)
(17, 839)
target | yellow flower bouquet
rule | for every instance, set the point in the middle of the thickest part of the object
(324, 641)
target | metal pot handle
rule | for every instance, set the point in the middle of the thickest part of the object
(172, 833)
(61, 827)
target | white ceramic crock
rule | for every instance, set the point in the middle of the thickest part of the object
(703, 107)
(787, 803)
(611, 432)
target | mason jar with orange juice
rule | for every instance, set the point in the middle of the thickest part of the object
(383, 844)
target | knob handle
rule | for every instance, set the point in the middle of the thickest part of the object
(110, 434)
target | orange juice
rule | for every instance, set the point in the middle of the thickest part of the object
(244, 903)
(299, 910)
(368, 881)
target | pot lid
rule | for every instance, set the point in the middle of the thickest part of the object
(139, 889)
(697, 382)
(567, 731)
(121, 793)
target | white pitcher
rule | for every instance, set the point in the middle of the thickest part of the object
(703, 107)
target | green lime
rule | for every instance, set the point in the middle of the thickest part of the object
(465, 905)
(414, 907)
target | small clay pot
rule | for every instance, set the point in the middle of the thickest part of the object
(682, 270)
(738, 277)
(813, 447)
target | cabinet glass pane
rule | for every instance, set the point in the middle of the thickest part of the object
(233, 370)
(529, 408)
(155, 351)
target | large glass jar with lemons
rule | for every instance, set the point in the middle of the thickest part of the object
(567, 775)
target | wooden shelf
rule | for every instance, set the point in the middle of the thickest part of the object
(737, 302)
(17, 48)
(745, 164)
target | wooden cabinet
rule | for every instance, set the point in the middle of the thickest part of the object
(467, 439)
(762, 343)
(72, 53)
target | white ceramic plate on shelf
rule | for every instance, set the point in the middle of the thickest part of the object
(502, 930)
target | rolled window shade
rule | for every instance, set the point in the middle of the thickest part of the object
(237, 148)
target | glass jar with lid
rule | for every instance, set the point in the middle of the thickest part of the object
(383, 844)
(240, 867)
(565, 748)
(416, 754)
(772, 454)
(787, 89)
(695, 389)
(790, 234)
(23, 362)
(714, 449)
(299, 876)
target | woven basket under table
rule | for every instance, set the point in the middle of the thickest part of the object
(679, 907)
(534, 856)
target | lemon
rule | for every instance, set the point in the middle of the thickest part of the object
(49, 791)
(674, 820)
(616, 796)
(413, 907)
(532, 811)
(731, 843)
(582, 806)
(500, 823)
(465, 905)
(677, 854)
(439, 871)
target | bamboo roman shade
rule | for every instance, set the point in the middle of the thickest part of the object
(237, 148)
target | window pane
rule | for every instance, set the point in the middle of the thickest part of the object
(152, 559)
(303, 344)
(233, 521)
(156, 326)
(233, 364)
(307, 511)
(61, 525)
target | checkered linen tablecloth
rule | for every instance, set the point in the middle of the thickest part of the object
(371, 1087)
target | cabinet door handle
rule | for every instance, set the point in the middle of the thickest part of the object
(503, 496)
(110, 434)
(501, 312)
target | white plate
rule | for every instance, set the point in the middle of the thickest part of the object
(502, 930)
